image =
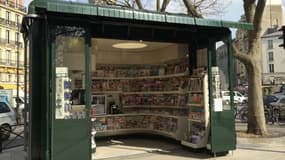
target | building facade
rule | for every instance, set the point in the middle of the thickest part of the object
(273, 59)
(11, 44)
(273, 17)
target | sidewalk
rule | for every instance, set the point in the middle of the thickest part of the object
(154, 148)
(150, 149)
(16, 153)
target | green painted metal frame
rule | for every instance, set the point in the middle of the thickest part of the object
(39, 91)
(56, 133)
(129, 14)
(225, 132)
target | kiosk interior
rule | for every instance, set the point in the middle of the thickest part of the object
(134, 75)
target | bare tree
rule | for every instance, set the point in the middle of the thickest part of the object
(253, 13)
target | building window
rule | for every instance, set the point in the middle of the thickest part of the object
(270, 44)
(16, 3)
(15, 77)
(7, 2)
(9, 77)
(7, 36)
(271, 68)
(8, 56)
(270, 56)
(3, 77)
(17, 19)
(17, 35)
(8, 15)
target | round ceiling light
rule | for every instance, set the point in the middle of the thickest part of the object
(129, 45)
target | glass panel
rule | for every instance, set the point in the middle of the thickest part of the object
(4, 108)
(223, 72)
(70, 68)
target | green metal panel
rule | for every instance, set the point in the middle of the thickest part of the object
(149, 16)
(180, 19)
(52, 89)
(229, 24)
(208, 22)
(88, 89)
(70, 138)
(38, 92)
(87, 10)
(52, 7)
(65, 8)
(222, 123)
(115, 12)
(106, 12)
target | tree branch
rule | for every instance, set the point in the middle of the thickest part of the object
(249, 10)
(139, 4)
(164, 5)
(244, 58)
(157, 5)
(191, 9)
(258, 16)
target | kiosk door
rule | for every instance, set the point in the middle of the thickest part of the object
(70, 127)
(222, 119)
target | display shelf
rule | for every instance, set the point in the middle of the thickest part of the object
(155, 92)
(198, 91)
(195, 105)
(136, 114)
(106, 92)
(198, 116)
(143, 77)
(196, 120)
(133, 131)
(154, 99)
(192, 145)
(154, 106)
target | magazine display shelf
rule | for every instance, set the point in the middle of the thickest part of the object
(198, 127)
(153, 99)
(120, 124)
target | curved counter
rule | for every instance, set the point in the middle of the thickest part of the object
(121, 124)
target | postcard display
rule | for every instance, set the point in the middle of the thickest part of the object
(153, 99)
(64, 107)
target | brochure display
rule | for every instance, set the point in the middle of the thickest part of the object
(63, 94)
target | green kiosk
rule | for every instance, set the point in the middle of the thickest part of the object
(121, 71)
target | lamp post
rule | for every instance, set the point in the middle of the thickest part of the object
(18, 67)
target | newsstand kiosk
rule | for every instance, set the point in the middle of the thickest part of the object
(135, 71)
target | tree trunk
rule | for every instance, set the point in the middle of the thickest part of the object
(256, 119)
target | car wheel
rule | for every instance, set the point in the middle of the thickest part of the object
(5, 131)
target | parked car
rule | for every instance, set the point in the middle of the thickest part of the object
(238, 97)
(7, 119)
(280, 107)
(269, 99)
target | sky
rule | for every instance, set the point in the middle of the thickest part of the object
(232, 13)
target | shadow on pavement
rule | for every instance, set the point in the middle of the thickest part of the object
(142, 145)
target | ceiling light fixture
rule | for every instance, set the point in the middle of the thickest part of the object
(130, 45)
